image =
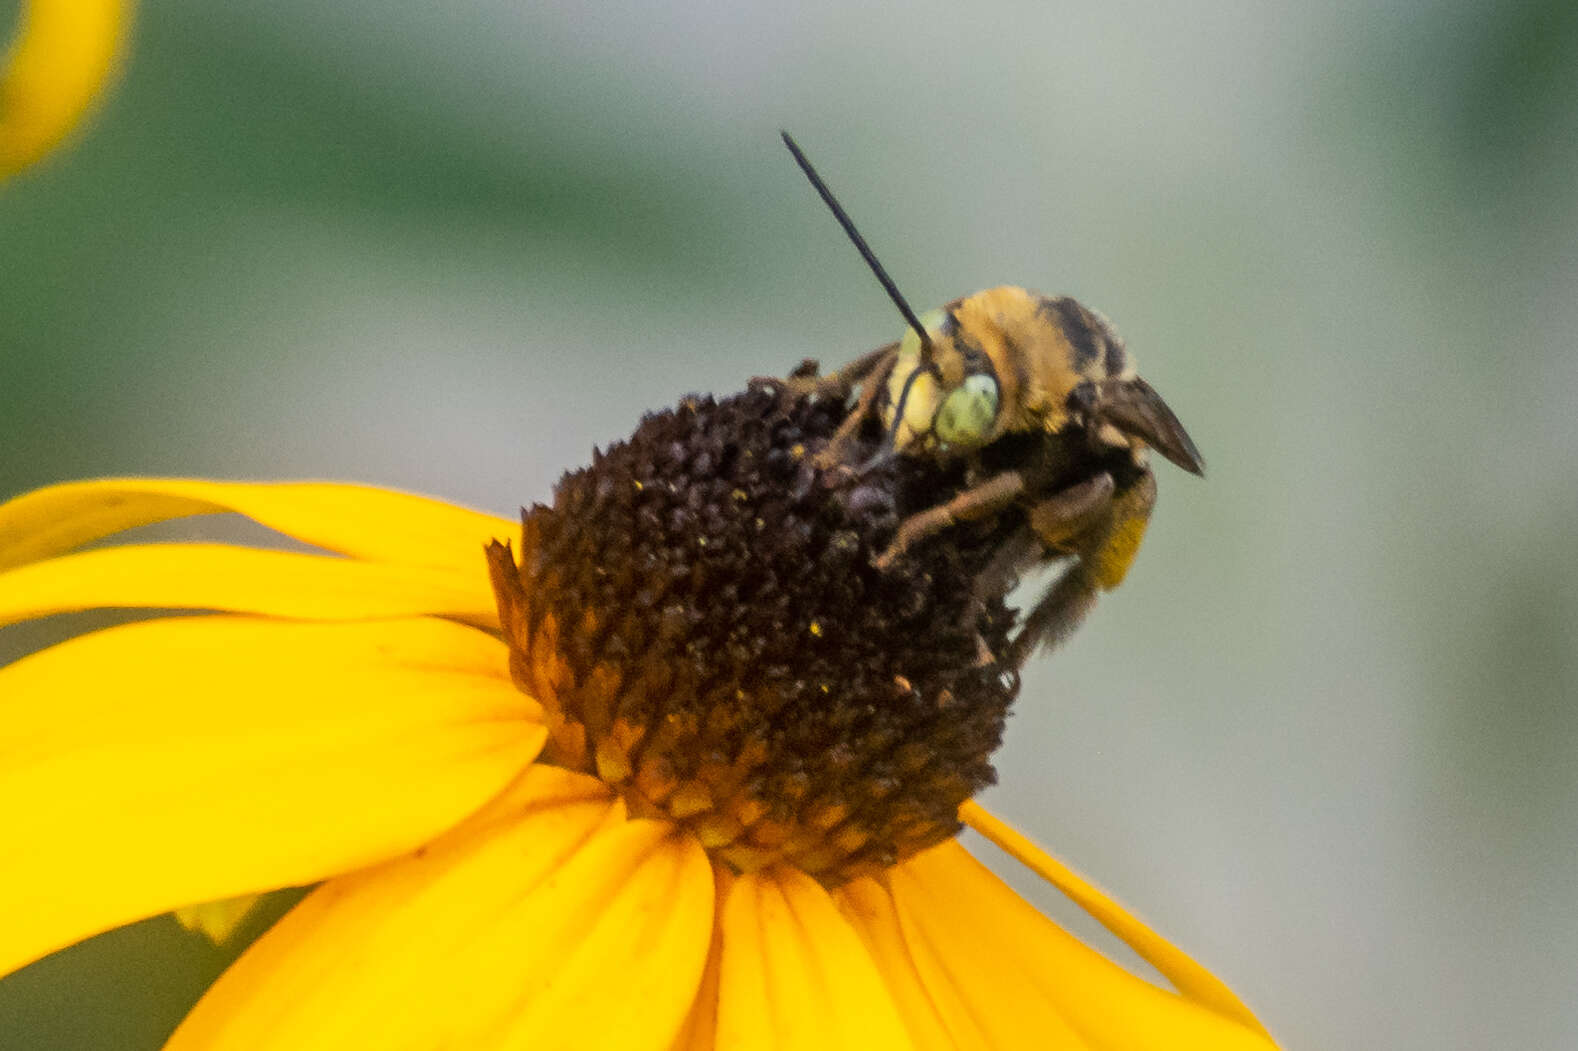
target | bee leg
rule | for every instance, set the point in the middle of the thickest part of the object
(992, 495)
(863, 367)
(1071, 512)
(1000, 576)
(803, 381)
(870, 384)
(1058, 613)
(1102, 557)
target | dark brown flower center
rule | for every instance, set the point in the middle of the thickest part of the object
(699, 616)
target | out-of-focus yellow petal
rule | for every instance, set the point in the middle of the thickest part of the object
(364, 522)
(189, 759)
(1188, 977)
(558, 925)
(1024, 981)
(243, 580)
(218, 920)
(63, 55)
(795, 975)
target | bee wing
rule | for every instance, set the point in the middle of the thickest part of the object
(1134, 407)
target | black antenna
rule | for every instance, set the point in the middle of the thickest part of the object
(861, 246)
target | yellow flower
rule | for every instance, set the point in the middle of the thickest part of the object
(64, 54)
(349, 719)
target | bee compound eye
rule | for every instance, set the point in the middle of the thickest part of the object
(968, 412)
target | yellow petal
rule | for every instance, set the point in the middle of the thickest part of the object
(554, 923)
(869, 909)
(243, 580)
(374, 525)
(795, 975)
(700, 1030)
(189, 759)
(64, 53)
(1188, 977)
(1009, 977)
(983, 999)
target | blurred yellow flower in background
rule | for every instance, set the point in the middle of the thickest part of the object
(64, 54)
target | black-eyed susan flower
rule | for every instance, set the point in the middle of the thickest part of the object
(677, 773)
(64, 53)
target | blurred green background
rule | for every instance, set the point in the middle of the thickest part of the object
(1325, 737)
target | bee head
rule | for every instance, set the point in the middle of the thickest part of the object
(1009, 361)
(944, 396)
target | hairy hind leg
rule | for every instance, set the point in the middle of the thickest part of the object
(1101, 559)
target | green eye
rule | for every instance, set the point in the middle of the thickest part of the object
(967, 414)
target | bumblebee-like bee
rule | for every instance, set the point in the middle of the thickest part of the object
(1038, 401)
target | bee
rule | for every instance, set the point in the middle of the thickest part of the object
(1037, 399)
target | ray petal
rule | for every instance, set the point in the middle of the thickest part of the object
(364, 522)
(700, 1031)
(1188, 977)
(869, 908)
(551, 923)
(1021, 978)
(243, 580)
(185, 760)
(795, 975)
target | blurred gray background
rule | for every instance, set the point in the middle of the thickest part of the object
(1326, 735)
